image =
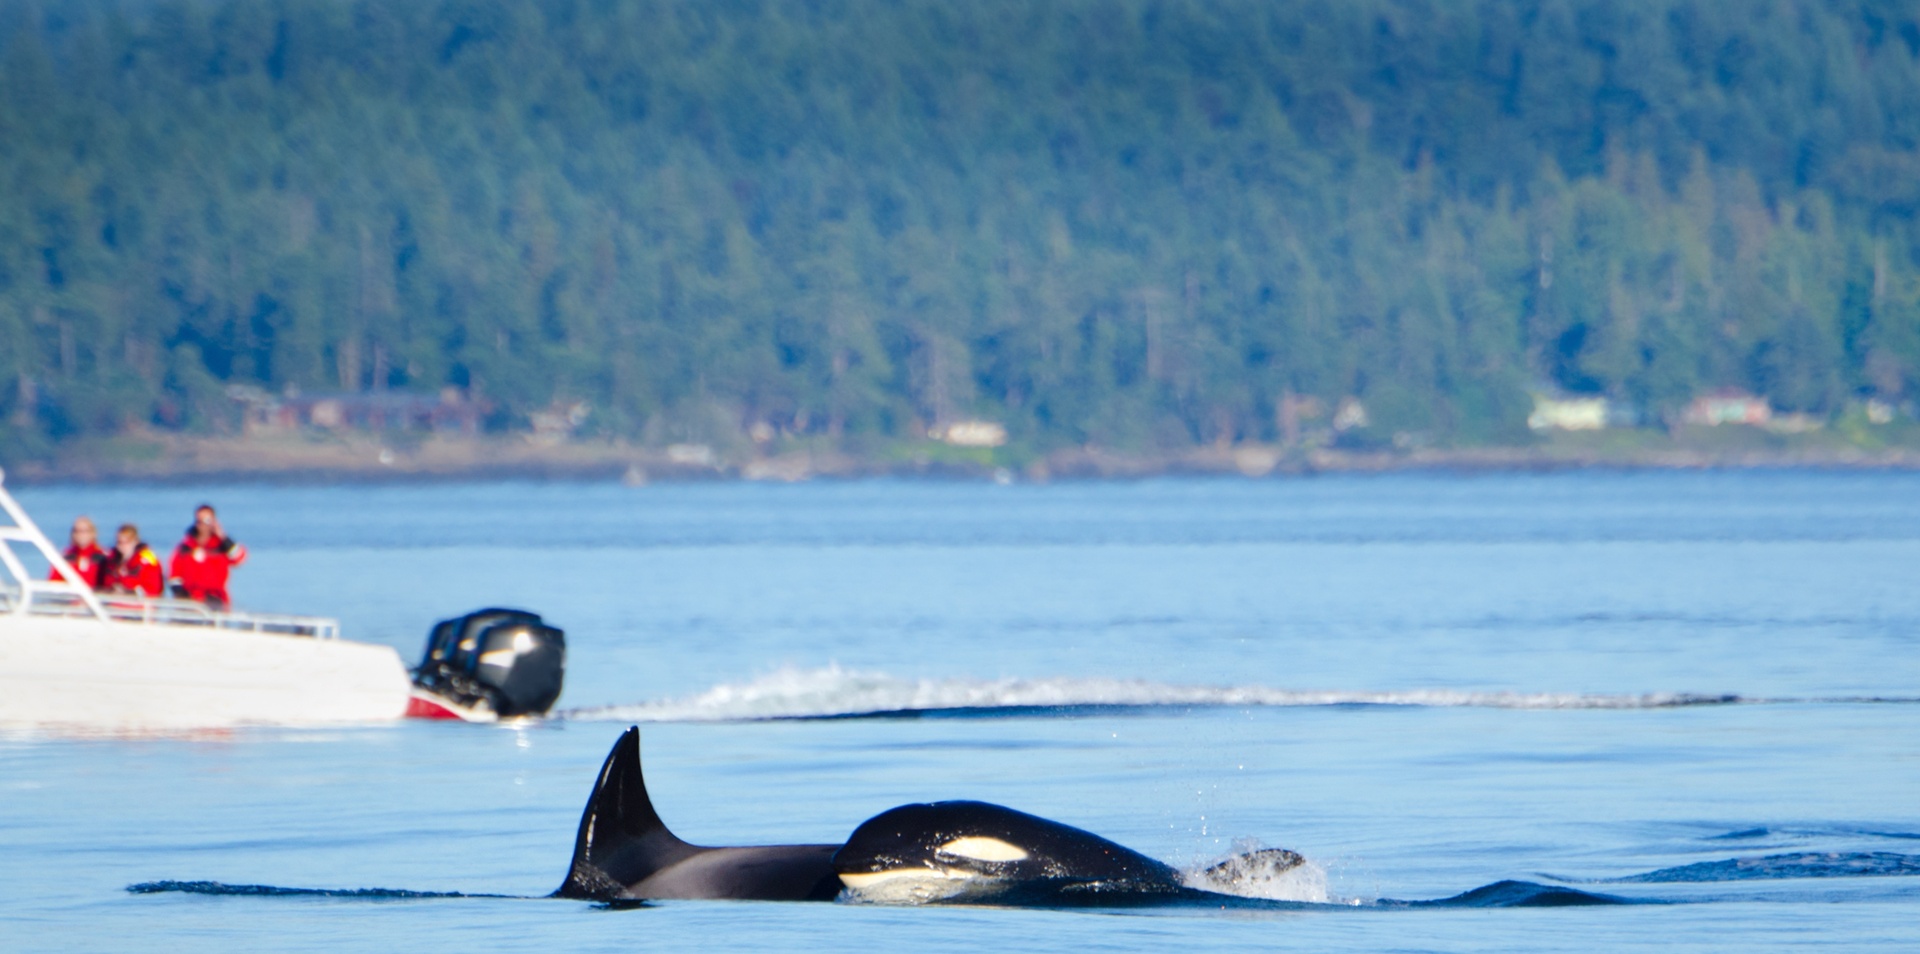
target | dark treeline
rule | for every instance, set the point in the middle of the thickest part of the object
(1128, 222)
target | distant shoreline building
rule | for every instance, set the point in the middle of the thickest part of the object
(971, 433)
(1727, 407)
(450, 411)
(1569, 414)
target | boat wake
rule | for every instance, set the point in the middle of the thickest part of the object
(835, 693)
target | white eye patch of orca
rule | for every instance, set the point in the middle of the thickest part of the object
(981, 848)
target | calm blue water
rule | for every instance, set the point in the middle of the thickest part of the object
(1424, 684)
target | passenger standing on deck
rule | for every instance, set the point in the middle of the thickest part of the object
(132, 567)
(201, 561)
(84, 555)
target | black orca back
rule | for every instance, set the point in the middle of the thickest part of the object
(622, 839)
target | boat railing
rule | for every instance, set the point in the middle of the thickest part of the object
(133, 609)
(23, 593)
(124, 608)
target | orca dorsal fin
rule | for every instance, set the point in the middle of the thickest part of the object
(622, 839)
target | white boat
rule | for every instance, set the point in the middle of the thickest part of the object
(75, 661)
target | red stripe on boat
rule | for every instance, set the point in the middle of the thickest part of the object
(421, 708)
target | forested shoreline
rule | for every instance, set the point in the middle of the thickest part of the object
(1119, 223)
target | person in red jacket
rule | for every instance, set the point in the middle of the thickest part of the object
(132, 567)
(202, 560)
(84, 555)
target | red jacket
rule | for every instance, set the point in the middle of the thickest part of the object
(138, 574)
(91, 564)
(199, 570)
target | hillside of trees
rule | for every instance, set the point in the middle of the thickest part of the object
(1129, 223)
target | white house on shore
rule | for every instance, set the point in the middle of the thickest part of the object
(972, 433)
(1568, 414)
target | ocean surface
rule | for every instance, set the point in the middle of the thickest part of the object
(1697, 691)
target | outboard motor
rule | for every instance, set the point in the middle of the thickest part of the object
(504, 661)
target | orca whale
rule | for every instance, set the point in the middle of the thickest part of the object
(980, 852)
(624, 852)
(958, 851)
(939, 852)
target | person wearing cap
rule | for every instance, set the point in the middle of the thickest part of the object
(84, 555)
(132, 567)
(203, 559)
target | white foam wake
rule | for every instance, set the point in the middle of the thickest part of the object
(833, 692)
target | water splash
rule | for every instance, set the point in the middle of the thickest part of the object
(1255, 871)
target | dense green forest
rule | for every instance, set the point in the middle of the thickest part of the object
(1132, 223)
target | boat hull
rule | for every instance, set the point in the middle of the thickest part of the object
(93, 676)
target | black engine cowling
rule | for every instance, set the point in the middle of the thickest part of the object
(508, 660)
